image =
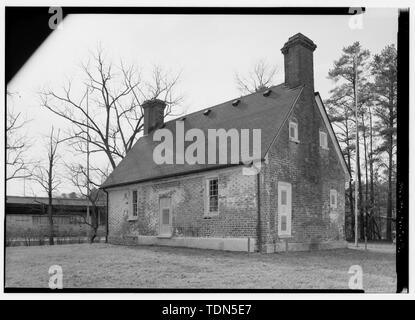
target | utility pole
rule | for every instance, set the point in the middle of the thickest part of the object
(356, 193)
(87, 157)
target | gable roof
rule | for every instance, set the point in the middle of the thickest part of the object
(254, 111)
(332, 135)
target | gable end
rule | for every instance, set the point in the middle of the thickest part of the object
(332, 135)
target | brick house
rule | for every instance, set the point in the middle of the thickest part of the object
(296, 201)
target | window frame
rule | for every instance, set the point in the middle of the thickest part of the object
(295, 125)
(287, 233)
(333, 192)
(326, 146)
(133, 213)
(36, 220)
(207, 212)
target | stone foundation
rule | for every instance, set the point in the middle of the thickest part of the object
(225, 244)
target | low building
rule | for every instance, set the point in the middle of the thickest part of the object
(27, 217)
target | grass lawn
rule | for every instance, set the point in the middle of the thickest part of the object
(110, 266)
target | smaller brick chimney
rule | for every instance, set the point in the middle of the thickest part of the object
(298, 61)
(153, 114)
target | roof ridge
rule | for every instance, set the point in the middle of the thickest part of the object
(227, 101)
(46, 197)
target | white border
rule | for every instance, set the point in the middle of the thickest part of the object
(223, 296)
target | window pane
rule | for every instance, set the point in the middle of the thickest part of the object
(135, 203)
(283, 223)
(292, 132)
(283, 197)
(323, 139)
(213, 204)
(213, 195)
(165, 216)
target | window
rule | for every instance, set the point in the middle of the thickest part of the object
(61, 220)
(40, 220)
(284, 209)
(212, 196)
(323, 140)
(284, 217)
(36, 220)
(134, 211)
(165, 216)
(293, 128)
(284, 197)
(284, 223)
(333, 199)
(75, 220)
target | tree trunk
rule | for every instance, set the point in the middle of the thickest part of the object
(366, 180)
(372, 187)
(359, 181)
(390, 169)
(50, 188)
(359, 178)
(350, 180)
(50, 216)
(94, 223)
(93, 235)
(389, 205)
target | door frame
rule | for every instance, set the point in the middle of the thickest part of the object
(287, 186)
(160, 234)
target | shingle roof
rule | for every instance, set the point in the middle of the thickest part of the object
(255, 111)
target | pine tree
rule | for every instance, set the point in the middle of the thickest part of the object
(350, 75)
(384, 70)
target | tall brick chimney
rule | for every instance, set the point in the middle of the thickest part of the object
(298, 61)
(153, 114)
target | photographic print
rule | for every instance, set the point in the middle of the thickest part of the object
(204, 150)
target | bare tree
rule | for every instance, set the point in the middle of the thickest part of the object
(17, 145)
(114, 97)
(88, 184)
(261, 76)
(45, 175)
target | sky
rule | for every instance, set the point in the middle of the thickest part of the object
(206, 49)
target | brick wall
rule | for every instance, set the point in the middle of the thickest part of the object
(237, 206)
(312, 172)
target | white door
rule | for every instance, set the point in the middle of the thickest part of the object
(284, 209)
(165, 217)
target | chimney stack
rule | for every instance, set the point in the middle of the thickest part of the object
(153, 114)
(298, 61)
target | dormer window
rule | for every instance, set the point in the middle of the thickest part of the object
(323, 140)
(293, 131)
